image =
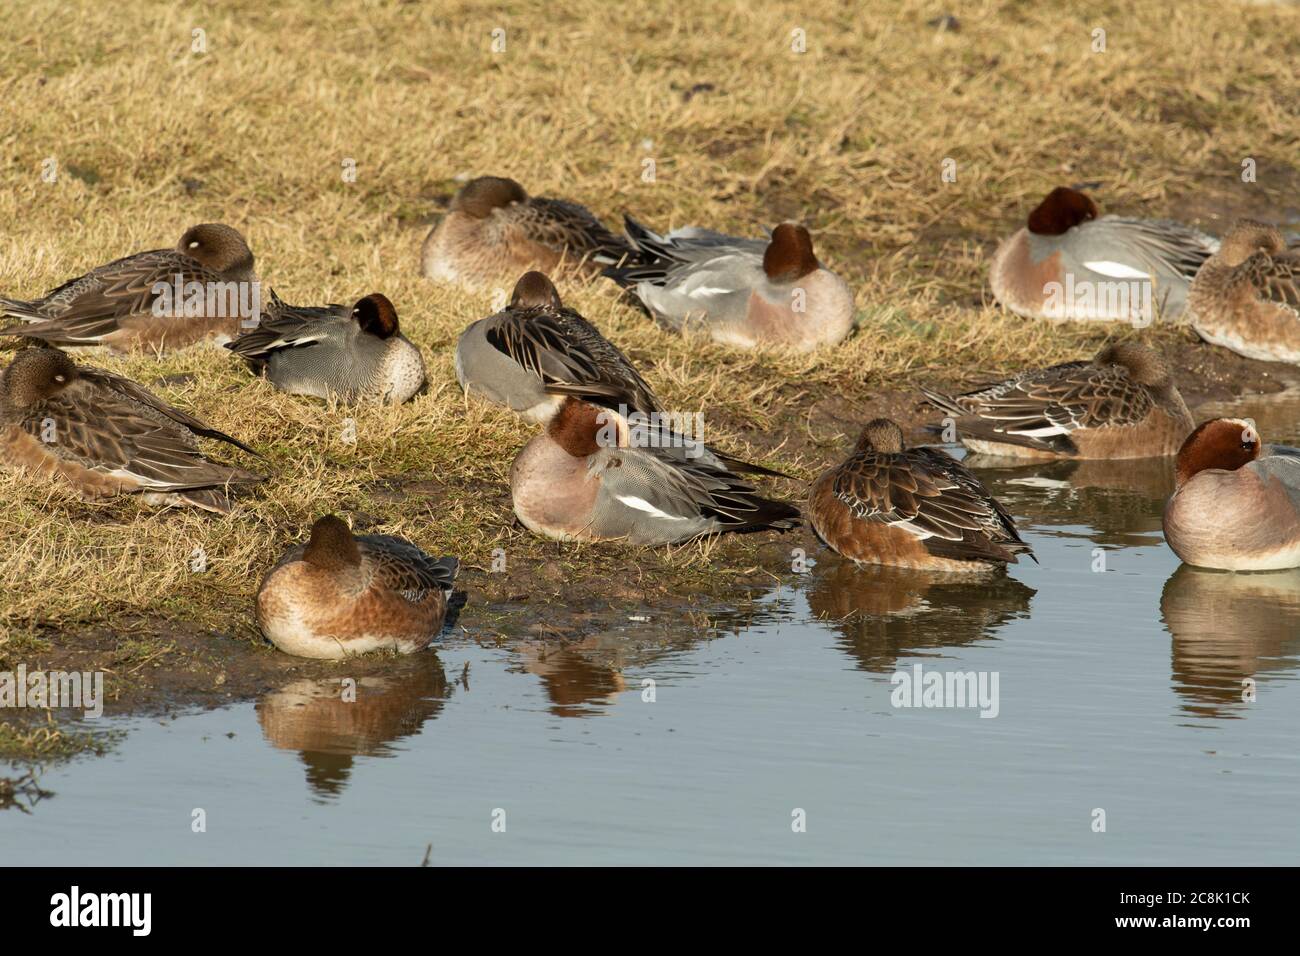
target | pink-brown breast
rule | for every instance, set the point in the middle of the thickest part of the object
(1233, 520)
(1018, 282)
(551, 490)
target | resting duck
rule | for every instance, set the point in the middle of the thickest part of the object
(537, 351)
(340, 595)
(910, 507)
(494, 231)
(1064, 263)
(105, 435)
(120, 305)
(590, 476)
(353, 354)
(1122, 404)
(1247, 296)
(1236, 502)
(742, 292)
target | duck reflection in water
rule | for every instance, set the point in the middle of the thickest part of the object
(884, 613)
(1115, 503)
(330, 723)
(580, 678)
(1229, 628)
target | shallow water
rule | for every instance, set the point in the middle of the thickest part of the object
(1120, 688)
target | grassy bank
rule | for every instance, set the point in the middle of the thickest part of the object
(849, 137)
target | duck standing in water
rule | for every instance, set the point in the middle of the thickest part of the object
(1122, 404)
(1236, 502)
(910, 507)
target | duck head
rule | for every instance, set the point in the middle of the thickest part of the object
(35, 375)
(218, 247)
(376, 315)
(789, 256)
(1061, 211)
(478, 197)
(1223, 443)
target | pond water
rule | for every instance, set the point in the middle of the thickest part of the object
(1158, 700)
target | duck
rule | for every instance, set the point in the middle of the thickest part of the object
(150, 301)
(105, 435)
(537, 351)
(1236, 501)
(1071, 262)
(350, 353)
(1121, 404)
(341, 594)
(1246, 297)
(915, 508)
(494, 230)
(591, 476)
(744, 293)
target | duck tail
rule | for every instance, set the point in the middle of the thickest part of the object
(943, 402)
(19, 309)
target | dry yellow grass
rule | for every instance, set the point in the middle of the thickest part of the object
(849, 137)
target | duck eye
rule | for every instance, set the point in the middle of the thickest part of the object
(60, 378)
(194, 244)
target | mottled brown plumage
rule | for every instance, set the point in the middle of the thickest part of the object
(116, 305)
(910, 507)
(340, 595)
(107, 435)
(494, 231)
(1247, 297)
(1122, 404)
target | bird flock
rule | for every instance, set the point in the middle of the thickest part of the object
(609, 461)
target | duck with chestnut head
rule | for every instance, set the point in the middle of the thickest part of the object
(1067, 259)
(1236, 501)
(593, 476)
(741, 292)
(537, 351)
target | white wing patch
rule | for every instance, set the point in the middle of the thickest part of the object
(1047, 432)
(1116, 270)
(640, 504)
